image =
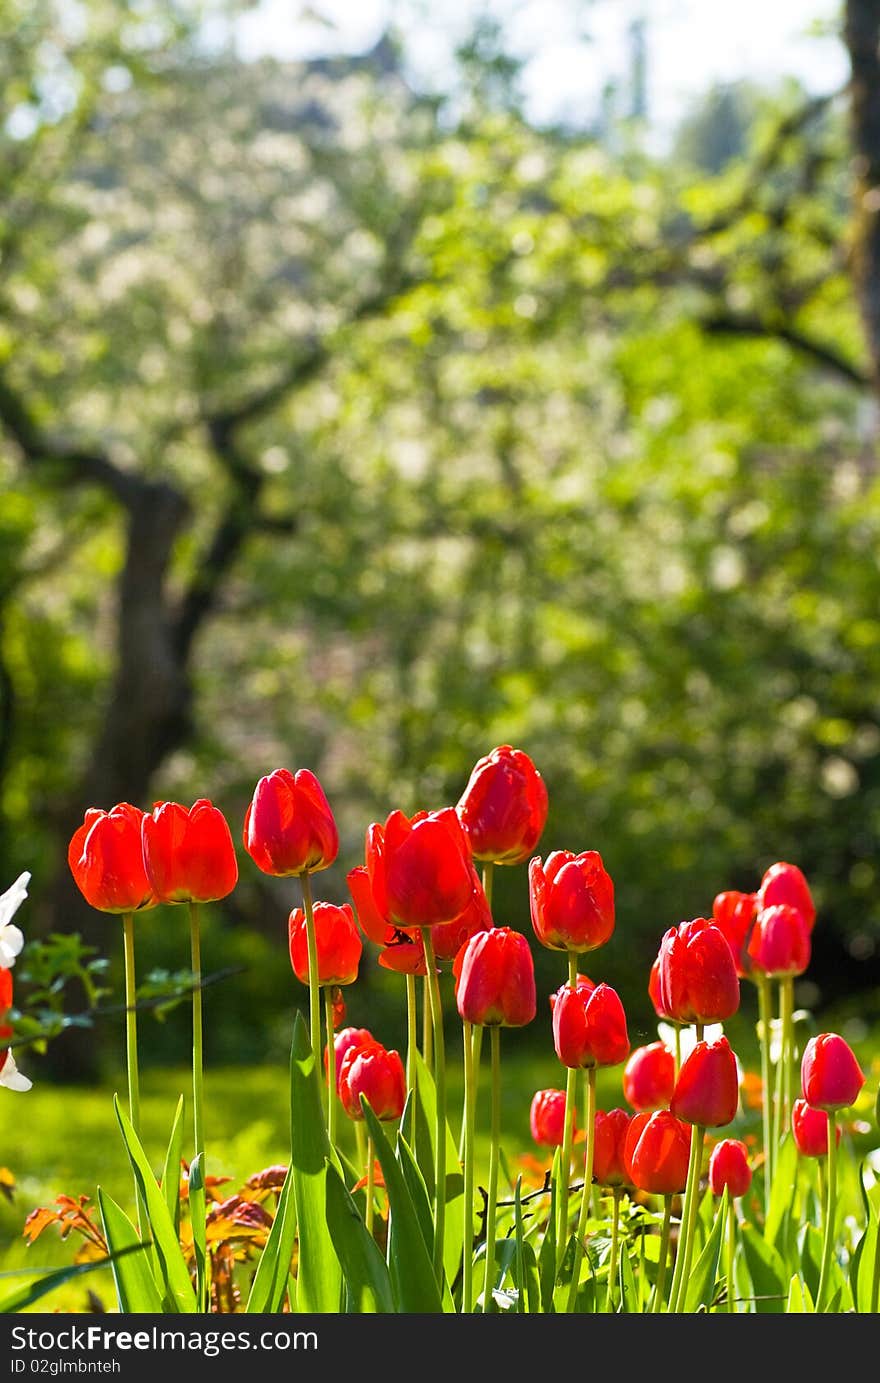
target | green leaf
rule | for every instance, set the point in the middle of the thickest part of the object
(412, 1274)
(366, 1274)
(172, 1264)
(547, 1251)
(769, 1279)
(800, 1303)
(425, 1112)
(319, 1275)
(171, 1169)
(135, 1286)
(784, 1180)
(701, 1285)
(418, 1191)
(809, 1247)
(865, 1265)
(25, 1296)
(273, 1271)
(198, 1210)
(629, 1292)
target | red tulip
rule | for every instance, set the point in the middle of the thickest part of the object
(504, 806)
(337, 940)
(809, 1128)
(343, 1041)
(649, 1078)
(340, 1012)
(780, 942)
(584, 983)
(831, 1078)
(188, 854)
(707, 1089)
(609, 1165)
(654, 993)
(657, 1151)
(10, 1076)
(289, 827)
(784, 883)
(572, 901)
(733, 914)
(107, 862)
(729, 1166)
(404, 951)
(376, 1073)
(547, 1117)
(589, 1027)
(496, 979)
(420, 869)
(697, 975)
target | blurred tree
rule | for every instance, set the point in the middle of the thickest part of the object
(717, 129)
(350, 430)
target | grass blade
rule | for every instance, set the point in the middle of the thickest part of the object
(135, 1286)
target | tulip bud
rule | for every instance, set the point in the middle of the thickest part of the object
(420, 869)
(649, 1078)
(106, 859)
(496, 979)
(547, 1117)
(784, 883)
(589, 1027)
(377, 1074)
(504, 806)
(571, 898)
(729, 1166)
(188, 853)
(289, 827)
(609, 1165)
(697, 974)
(733, 914)
(780, 942)
(657, 1151)
(831, 1078)
(337, 942)
(809, 1129)
(343, 1041)
(707, 1089)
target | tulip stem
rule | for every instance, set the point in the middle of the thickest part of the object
(663, 1260)
(492, 1200)
(131, 1049)
(764, 1024)
(830, 1217)
(198, 1060)
(731, 1253)
(779, 1076)
(685, 1250)
(470, 1095)
(440, 1092)
(411, 1033)
(580, 1232)
(371, 1183)
(615, 1238)
(567, 1135)
(488, 878)
(427, 1034)
(331, 1065)
(786, 1014)
(314, 991)
(677, 1050)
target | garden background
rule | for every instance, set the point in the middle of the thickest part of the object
(364, 409)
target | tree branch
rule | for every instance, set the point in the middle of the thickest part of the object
(77, 464)
(735, 324)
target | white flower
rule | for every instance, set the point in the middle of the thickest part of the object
(11, 938)
(11, 1077)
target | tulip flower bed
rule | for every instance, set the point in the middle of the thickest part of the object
(666, 1203)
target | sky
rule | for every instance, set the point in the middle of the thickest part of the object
(573, 47)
